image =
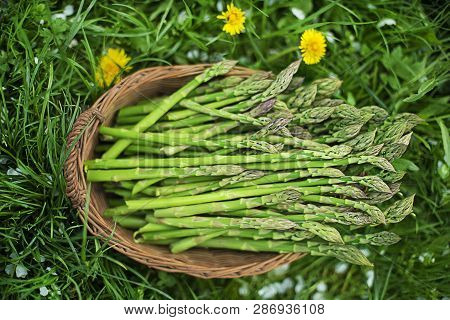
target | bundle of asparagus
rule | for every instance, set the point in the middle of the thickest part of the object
(258, 164)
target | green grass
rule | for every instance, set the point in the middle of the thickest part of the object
(46, 82)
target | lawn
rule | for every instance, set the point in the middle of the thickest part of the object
(389, 53)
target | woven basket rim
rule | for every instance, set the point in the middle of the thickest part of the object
(83, 138)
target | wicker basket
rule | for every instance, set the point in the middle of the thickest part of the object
(81, 143)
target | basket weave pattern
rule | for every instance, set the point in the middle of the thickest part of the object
(82, 141)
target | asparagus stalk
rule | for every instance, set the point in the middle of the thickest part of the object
(225, 182)
(222, 195)
(255, 234)
(372, 211)
(143, 184)
(130, 222)
(138, 173)
(166, 104)
(182, 114)
(399, 210)
(176, 189)
(217, 85)
(139, 109)
(190, 242)
(154, 227)
(177, 181)
(345, 253)
(371, 182)
(225, 222)
(192, 105)
(303, 97)
(183, 139)
(245, 88)
(289, 141)
(322, 214)
(227, 206)
(376, 161)
(384, 238)
(270, 178)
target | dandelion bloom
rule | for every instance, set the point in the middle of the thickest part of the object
(312, 45)
(234, 18)
(110, 66)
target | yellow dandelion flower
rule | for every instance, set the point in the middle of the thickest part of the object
(234, 18)
(312, 45)
(110, 66)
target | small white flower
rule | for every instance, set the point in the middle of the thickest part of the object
(43, 291)
(36, 60)
(281, 269)
(356, 45)
(40, 259)
(206, 17)
(341, 267)
(14, 172)
(330, 37)
(298, 13)
(50, 269)
(9, 269)
(41, 22)
(318, 296)
(427, 258)
(243, 290)
(68, 10)
(370, 275)
(371, 6)
(59, 16)
(21, 271)
(193, 54)
(73, 43)
(273, 289)
(321, 287)
(267, 292)
(182, 16)
(272, 51)
(300, 284)
(217, 57)
(446, 251)
(219, 5)
(203, 56)
(243, 60)
(285, 285)
(386, 22)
